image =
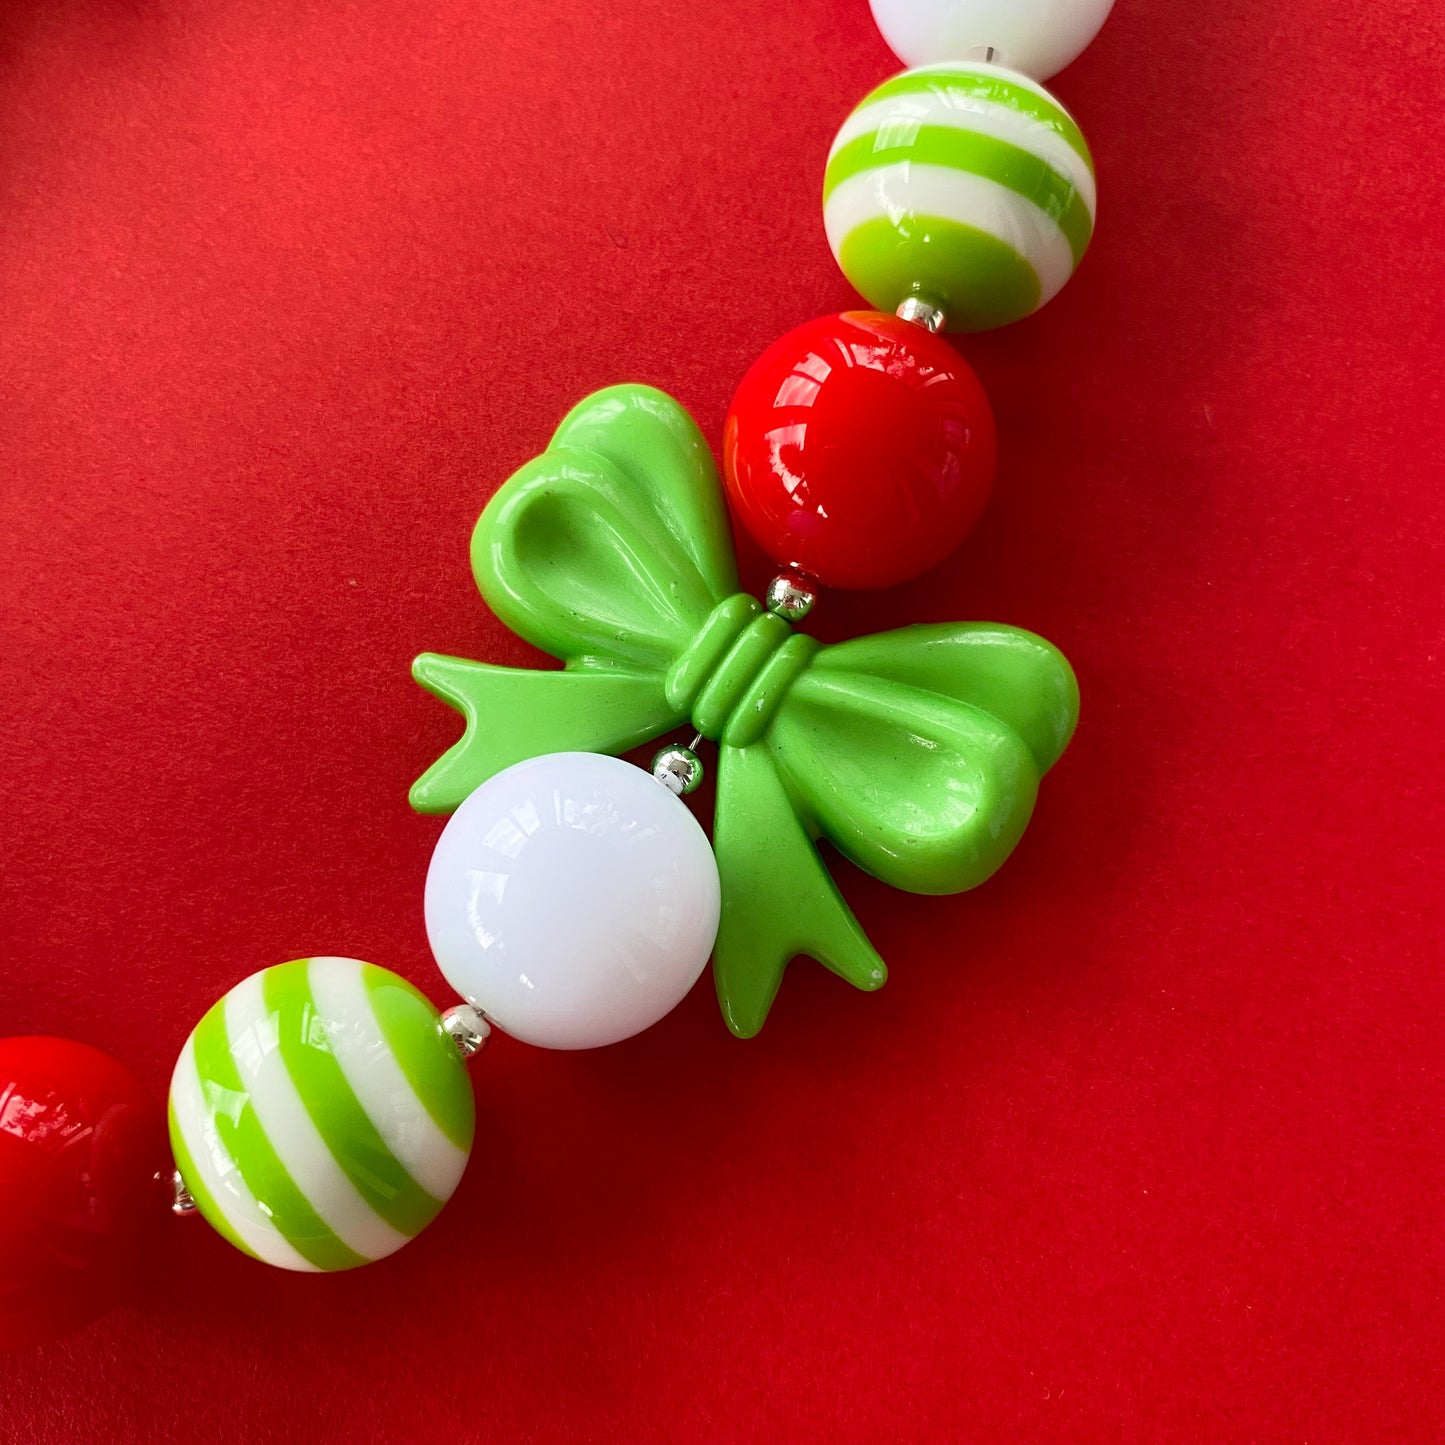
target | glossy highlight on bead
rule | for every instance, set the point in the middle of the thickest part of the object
(859, 448)
(84, 1183)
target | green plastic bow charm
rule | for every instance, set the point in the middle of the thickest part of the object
(916, 753)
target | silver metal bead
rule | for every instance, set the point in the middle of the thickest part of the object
(922, 313)
(678, 769)
(791, 596)
(468, 1026)
(182, 1201)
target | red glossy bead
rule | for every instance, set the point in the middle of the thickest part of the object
(80, 1143)
(860, 448)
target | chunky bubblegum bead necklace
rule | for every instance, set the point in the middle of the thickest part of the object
(320, 1113)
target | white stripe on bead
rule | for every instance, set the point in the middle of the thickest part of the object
(983, 117)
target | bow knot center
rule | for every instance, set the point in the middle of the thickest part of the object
(732, 677)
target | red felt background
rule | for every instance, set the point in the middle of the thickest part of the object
(1142, 1141)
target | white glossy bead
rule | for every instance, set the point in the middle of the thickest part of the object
(1038, 37)
(573, 899)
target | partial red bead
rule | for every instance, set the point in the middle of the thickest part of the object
(860, 448)
(81, 1141)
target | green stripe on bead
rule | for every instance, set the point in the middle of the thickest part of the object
(1002, 285)
(424, 1051)
(246, 1142)
(979, 85)
(194, 1181)
(334, 1108)
(1021, 171)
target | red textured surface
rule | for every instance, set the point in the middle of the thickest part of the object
(1142, 1142)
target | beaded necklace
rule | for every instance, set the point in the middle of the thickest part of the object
(320, 1113)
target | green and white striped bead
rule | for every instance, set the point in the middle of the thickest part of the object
(966, 184)
(320, 1114)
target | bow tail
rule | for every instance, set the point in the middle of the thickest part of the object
(778, 900)
(512, 715)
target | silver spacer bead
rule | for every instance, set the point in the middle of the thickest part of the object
(182, 1201)
(791, 596)
(678, 769)
(922, 313)
(468, 1026)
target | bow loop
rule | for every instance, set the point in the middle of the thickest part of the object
(918, 753)
(1015, 676)
(610, 549)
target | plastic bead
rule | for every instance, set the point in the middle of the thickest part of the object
(859, 448)
(81, 1142)
(1037, 37)
(968, 185)
(320, 1114)
(573, 900)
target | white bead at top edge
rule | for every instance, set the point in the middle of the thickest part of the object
(1037, 37)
